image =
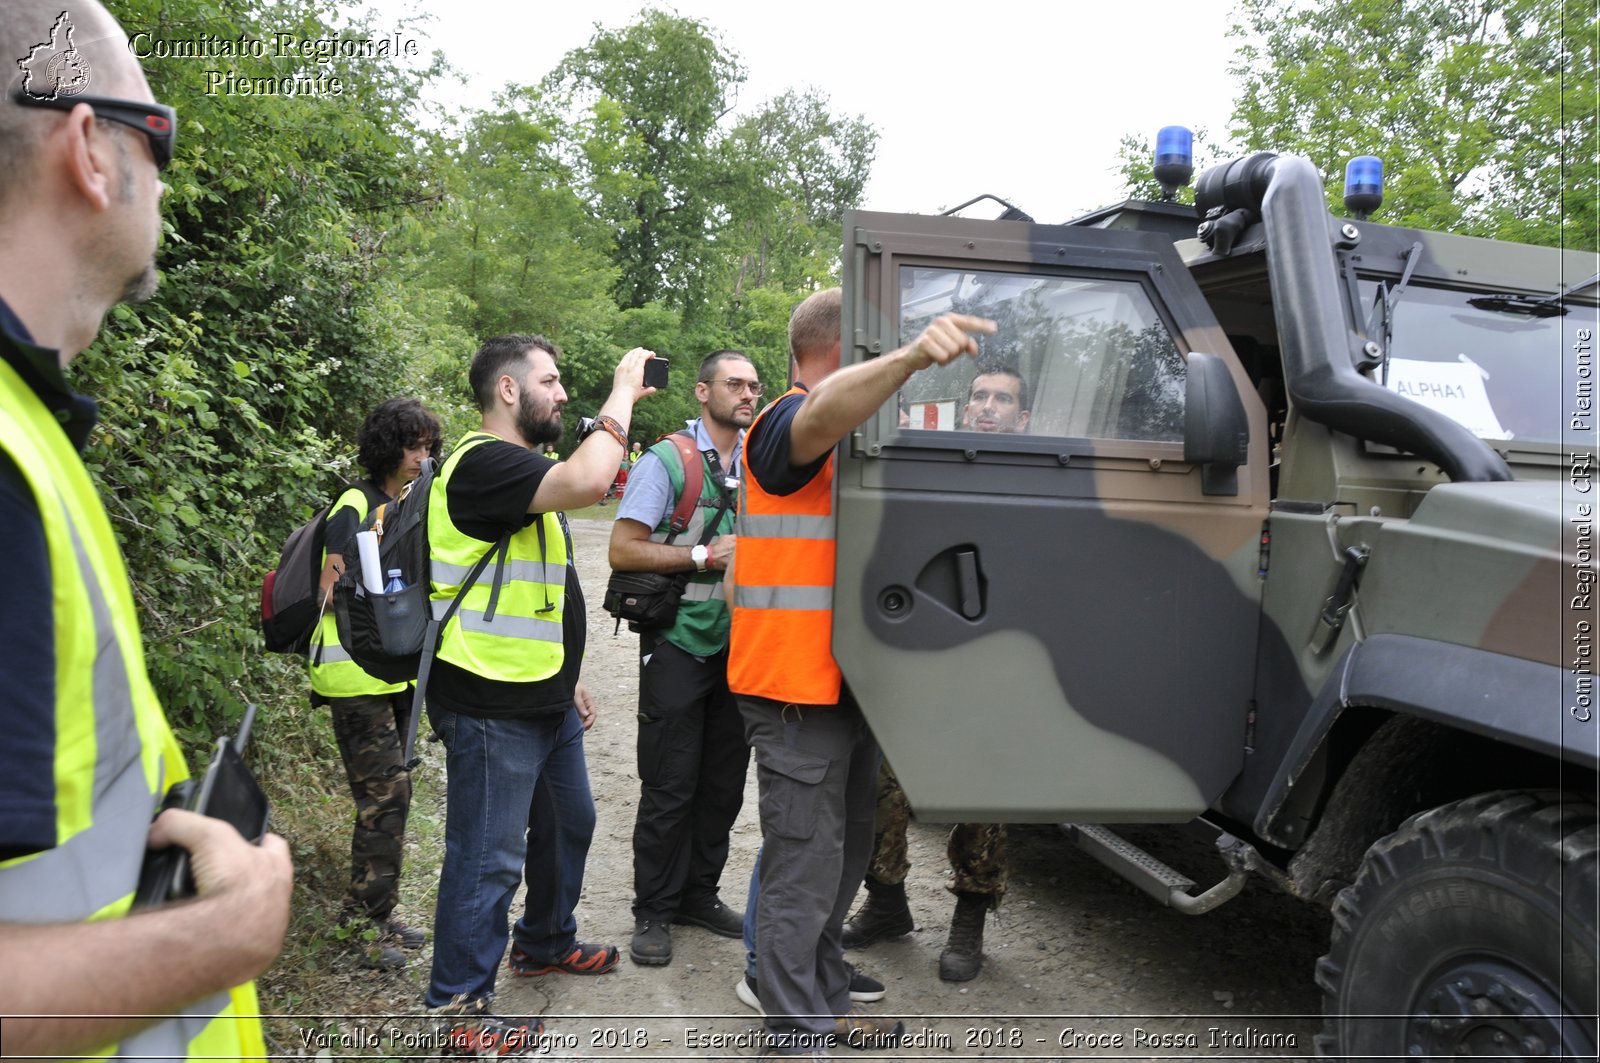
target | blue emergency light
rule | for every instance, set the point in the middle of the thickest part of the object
(1174, 160)
(1363, 185)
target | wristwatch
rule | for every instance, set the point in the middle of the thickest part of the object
(698, 555)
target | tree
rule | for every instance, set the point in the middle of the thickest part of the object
(800, 169)
(228, 401)
(655, 91)
(1483, 110)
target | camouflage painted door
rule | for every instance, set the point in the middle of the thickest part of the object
(1042, 613)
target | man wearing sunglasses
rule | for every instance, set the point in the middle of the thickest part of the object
(88, 753)
(692, 752)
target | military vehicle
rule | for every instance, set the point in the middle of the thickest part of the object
(1297, 545)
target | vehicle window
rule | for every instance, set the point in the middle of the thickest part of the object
(1079, 357)
(1496, 372)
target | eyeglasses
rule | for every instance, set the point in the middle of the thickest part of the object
(736, 386)
(157, 121)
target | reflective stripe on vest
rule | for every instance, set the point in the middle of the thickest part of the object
(114, 751)
(334, 673)
(781, 646)
(522, 642)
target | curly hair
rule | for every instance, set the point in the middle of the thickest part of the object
(388, 430)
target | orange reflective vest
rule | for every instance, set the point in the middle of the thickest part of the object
(781, 643)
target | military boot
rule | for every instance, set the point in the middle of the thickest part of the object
(885, 915)
(962, 957)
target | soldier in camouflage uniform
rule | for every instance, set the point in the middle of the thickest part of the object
(997, 401)
(978, 877)
(370, 715)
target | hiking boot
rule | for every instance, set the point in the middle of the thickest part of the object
(885, 915)
(583, 959)
(715, 917)
(398, 933)
(377, 956)
(864, 989)
(962, 957)
(652, 943)
(868, 1032)
(471, 1029)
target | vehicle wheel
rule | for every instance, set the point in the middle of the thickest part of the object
(1470, 931)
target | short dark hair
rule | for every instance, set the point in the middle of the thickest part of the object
(388, 430)
(708, 364)
(495, 356)
(992, 367)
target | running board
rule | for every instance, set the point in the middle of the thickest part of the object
(1155, 878)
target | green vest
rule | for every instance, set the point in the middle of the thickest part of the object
(336, 675)
(701, 627)
(521, 643)
(115, 755)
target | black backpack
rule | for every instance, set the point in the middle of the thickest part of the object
(290, 605)
(393, 635)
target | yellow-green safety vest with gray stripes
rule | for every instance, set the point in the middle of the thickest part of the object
(115, 754)
(334, 674)
(521, 643)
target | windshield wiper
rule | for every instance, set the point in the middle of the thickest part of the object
(1542, 306)
(1383, 309)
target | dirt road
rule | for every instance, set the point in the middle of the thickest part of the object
(1079, 965)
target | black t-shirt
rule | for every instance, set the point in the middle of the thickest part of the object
(766, 448)
(488, 495)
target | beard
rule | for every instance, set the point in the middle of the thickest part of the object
(538, 420)
(141, 285)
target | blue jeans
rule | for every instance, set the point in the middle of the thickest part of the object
(751, 899)
(518, 796)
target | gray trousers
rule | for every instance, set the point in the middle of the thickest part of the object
(816, 766)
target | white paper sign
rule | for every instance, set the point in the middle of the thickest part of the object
(1455, 389)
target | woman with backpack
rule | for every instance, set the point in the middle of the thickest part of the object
(369, 714)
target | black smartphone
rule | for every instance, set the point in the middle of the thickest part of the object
(227, 791)
(655, 372)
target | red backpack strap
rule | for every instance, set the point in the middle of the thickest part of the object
(694, 478)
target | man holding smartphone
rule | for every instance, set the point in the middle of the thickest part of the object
(88, 754)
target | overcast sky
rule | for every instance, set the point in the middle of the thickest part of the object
(1024, 101)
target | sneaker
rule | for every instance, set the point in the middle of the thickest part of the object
(471, 1029)
(864, 989)
(745, 990)
(652, 943)
(868, 1032)
(583, 959)
(715, 917)
(407, 937)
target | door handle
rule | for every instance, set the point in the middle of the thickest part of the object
(969, 591)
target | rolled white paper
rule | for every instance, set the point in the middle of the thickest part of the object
(371, 568)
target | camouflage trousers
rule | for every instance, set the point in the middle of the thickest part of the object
(370, 730)
(977, 851)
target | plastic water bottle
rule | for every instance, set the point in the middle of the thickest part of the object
(395, 584)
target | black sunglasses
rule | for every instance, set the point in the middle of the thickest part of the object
(158, 122)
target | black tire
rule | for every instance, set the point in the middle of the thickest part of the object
(1471, 930)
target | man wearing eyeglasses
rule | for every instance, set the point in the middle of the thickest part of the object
(692, 752)
(88, 753)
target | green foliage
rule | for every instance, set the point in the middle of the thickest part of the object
(227, 401)
(1483, 110)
